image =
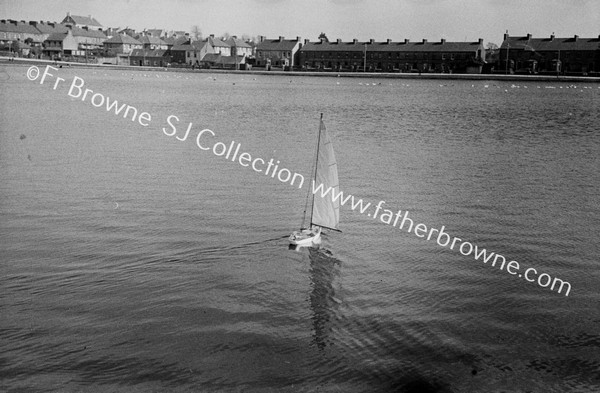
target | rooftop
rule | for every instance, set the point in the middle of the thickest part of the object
(278, 44)
(550, 43)
(394, 46)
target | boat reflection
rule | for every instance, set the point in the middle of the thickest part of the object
(324, 277)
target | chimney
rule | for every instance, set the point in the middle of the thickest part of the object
(371, 41)
(22, 21)
(480, 41)
(306, 41)
(552, 37)
(355, 41)
(505, 35)
(576, 37)
(406, 40)
(528, 36)
(424, 40)
(212, 36)
(33, 23)
(389, 41)
(85, 28)
(281, 38)
(339, 41)
(51, 24)
(68, 13)
(298, 38)
(443, 41)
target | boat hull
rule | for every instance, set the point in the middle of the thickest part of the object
(306, 237)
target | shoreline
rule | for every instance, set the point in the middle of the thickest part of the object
(371, 75)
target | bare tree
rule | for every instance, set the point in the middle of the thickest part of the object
(196, 33)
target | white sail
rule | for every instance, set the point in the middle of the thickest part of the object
(325, 211)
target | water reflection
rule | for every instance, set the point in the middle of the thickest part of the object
(324, 269)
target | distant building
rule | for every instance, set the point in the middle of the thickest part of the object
(390, 56)
(60, 45)
(218, 46)
(172, 41)
(551, 55)
(122, 44)
(215, 60)
(149, 57)
(151, 42)
(82, 22)
(130, 32)
(12, 30)
(48, 28)
(176, 34)
(239, 47)
(196, 51)
(111, 31)
(153, 32)
(277, 52)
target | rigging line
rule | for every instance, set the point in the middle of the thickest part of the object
(321, 125)
(313, 169)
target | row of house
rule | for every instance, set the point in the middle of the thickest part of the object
(83, 37)
(391, 56)
(210, 52)
(26, 35)
(550, 55)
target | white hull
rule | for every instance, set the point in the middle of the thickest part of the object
(306, 237)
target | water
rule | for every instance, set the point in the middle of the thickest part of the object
(132, 261)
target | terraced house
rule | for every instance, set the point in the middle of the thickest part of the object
(277, 52)
(550, 55)
(82, 22)
(390, 56)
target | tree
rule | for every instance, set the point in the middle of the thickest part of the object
(491, 52)
(323, 37)
(196, 33)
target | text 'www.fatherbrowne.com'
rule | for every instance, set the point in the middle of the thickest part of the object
(402, 221)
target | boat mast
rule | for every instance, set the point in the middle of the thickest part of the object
(316, 166)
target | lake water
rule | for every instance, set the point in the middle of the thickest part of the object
(133, 261)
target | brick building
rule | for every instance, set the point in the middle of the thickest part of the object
(551, 55)
(277, 52)
(390, 56)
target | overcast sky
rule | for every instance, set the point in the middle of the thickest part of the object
(455, 20)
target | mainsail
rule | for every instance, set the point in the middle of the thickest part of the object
(326, 211)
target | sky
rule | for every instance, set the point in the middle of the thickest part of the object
(454, 20)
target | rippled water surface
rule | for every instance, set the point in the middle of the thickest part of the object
(134, 261)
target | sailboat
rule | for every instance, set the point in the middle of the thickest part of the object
(324, 212)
